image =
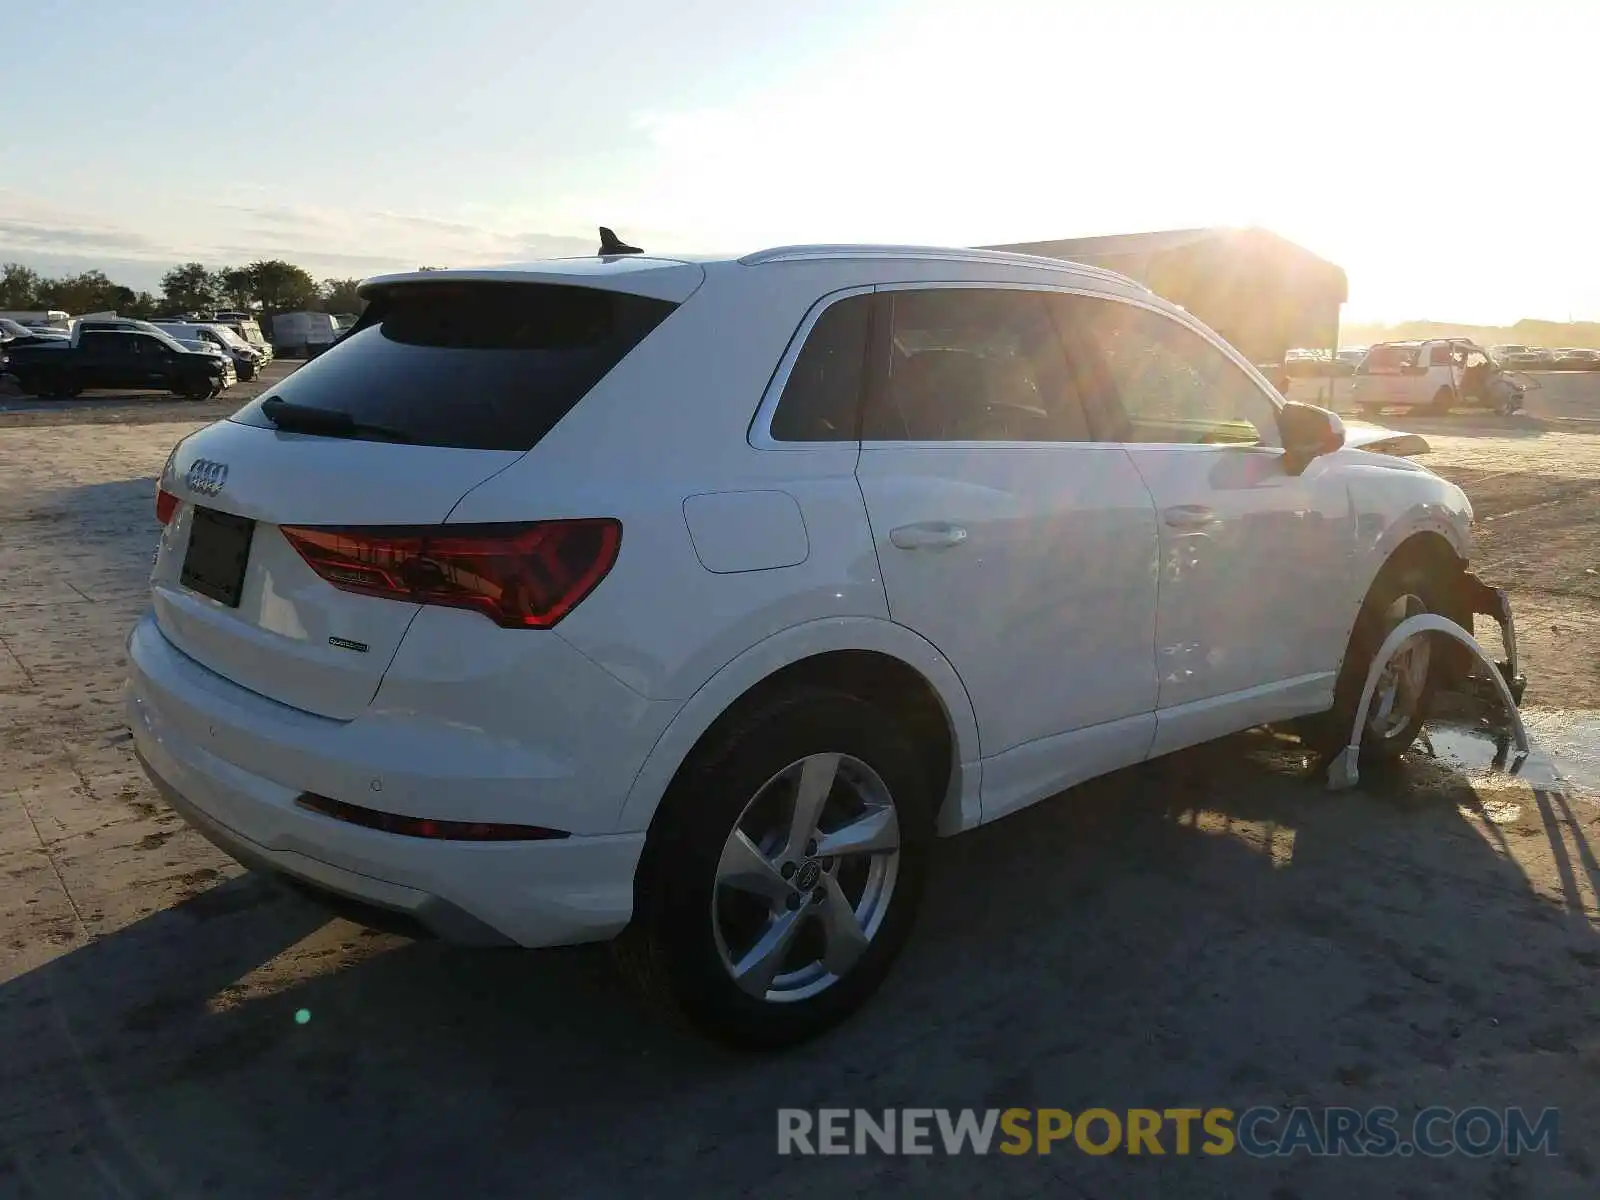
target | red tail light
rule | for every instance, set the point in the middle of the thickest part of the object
(166, 504)
(521, 576)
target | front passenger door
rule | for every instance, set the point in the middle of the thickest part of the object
(154, 360)
(1252, 609)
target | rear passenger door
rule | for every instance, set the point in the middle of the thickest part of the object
(1010, 539)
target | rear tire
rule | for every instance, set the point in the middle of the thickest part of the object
(62, 386)
(1403, 588)
(694, 931)
(1443, 401)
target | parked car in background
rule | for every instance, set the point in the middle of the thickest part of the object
(16, 335)
(247, 361)
(1521, 358)
(713, 674)
(1576, 359)
(230, 375)
(303, 334)
(117, 354)
(1315, 364)
(242, 323)
(1434, 376)
(14, 332)
(41, 319)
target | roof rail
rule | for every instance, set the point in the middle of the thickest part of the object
(805, 253)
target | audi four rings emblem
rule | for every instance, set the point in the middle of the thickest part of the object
(206, 477)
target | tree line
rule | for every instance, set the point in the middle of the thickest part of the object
(270, 285)
(1526, 332)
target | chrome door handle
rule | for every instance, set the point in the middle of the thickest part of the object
(1191, 516)
(928, 535)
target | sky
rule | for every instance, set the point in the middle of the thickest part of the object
(1446, 155)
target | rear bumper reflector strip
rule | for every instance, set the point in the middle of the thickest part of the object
(423, 827)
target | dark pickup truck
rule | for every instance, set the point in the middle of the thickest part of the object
(116, 358)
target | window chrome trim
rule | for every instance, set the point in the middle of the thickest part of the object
(760, 431)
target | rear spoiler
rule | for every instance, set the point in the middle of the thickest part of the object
(668, 279)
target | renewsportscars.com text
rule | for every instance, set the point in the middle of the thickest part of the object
(1260, 1132)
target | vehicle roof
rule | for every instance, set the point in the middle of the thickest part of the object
(678, 269)
(1411, 342)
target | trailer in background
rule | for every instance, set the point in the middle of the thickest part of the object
(303, 334)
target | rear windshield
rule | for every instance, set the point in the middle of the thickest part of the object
(487, 366)
(1388, 360)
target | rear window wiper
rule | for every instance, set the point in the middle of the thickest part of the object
(331, 422)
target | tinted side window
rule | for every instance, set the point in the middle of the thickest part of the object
(821, 401)
(108, 345)
(973, 364)
(1170, 384)
(484, 366)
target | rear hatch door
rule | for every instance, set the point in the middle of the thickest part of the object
(443, 383)
(232, 593)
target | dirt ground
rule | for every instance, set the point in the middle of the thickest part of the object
(1212, 929)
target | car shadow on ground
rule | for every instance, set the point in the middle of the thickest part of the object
(1213, 929)
(95, 540)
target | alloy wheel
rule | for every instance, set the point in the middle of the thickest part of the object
(1399, 693)
(806, 877)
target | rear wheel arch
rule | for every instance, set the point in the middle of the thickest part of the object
(885, 664)
(887, 683)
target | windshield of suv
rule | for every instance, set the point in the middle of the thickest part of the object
(229, 337)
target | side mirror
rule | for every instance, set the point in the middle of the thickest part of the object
(1308, 432)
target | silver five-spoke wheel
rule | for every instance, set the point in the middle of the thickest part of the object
(1401, 685)
(805, 877)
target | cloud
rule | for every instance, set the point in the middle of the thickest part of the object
(242, 253)
(59, 236)
(428, 223)
(284, 216)
(325, 240)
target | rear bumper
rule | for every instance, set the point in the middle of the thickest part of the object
(534, 893)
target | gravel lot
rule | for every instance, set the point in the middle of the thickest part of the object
(1211, 929)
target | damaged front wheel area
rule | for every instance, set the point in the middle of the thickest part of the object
(1420, 667)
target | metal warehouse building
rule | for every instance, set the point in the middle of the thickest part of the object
(1261, 292)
